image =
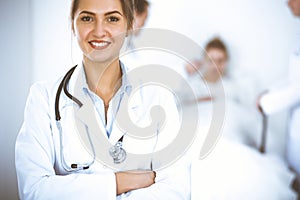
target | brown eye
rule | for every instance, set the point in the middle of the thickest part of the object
(86, 19)
(113, 19)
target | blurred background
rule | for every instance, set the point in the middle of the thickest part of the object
(36, 44)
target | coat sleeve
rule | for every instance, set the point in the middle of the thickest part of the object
(286, 94)
(280, 97)
(35, 159)
(172, 182)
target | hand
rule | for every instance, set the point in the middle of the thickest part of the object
(131, 180)
(206, 98)
(193, 67)
(258, 105)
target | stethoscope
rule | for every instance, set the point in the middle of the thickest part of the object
(116, 152)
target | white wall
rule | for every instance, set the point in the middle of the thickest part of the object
(259, 33)
(52, 38)
(15, 75)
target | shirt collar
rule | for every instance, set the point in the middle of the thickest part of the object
(126, 87)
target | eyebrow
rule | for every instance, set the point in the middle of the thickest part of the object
(113, 12)
(106, 14)
(86, 12)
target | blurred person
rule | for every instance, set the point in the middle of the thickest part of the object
(232, 170)
(211, 82)
(213, 65)
(141, 12)
(212, 68)
(52, 161)
(132, 57)
(286, 95)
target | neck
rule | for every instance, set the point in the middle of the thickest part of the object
(213, 77)
(102, 78)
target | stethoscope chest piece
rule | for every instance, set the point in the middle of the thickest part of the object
(117, 153)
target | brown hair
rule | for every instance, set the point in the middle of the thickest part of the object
(217, 43)
(127, 7)
(140, 6)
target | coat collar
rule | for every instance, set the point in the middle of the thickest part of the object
(87, 113)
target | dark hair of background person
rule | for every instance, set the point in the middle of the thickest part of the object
(217, 43)
(140, 6)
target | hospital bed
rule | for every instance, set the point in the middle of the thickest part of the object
(233, 170)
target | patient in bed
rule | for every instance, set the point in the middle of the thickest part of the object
(231, 170)
(211, 82)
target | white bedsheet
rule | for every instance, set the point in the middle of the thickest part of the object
(233, 171)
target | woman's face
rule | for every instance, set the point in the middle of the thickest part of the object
(216, 59)
(140, 20)
(295, 7)
(100, 28)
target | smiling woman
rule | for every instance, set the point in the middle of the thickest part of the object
(100, 30)
(52, 160)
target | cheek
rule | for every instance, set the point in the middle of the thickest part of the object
(81, 37)
(117, 31)
(80, 33)
(222, 67)
(118, 34)
(137, 23)
(298, 5)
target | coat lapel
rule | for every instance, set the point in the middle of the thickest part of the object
(131, 109)
(86, 114)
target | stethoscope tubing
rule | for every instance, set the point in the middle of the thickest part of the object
(63, 86)
(76, 167)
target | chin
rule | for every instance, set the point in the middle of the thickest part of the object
(103, 58)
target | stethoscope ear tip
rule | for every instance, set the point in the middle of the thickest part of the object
(74, 166)
(79, 167)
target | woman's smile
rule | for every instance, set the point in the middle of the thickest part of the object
(99, 44)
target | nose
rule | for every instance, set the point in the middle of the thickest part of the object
(100, 29)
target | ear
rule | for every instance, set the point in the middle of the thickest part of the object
(73, 29)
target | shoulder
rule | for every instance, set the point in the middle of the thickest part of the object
(45, 88)
(42, 93)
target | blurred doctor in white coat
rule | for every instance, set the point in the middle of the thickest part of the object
(287, 96)
(52, 159)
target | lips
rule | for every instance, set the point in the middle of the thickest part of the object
(99, 44)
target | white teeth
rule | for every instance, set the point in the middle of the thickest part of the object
(99, 44)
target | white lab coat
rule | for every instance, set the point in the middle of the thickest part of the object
(287, 96)
(39, 167)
